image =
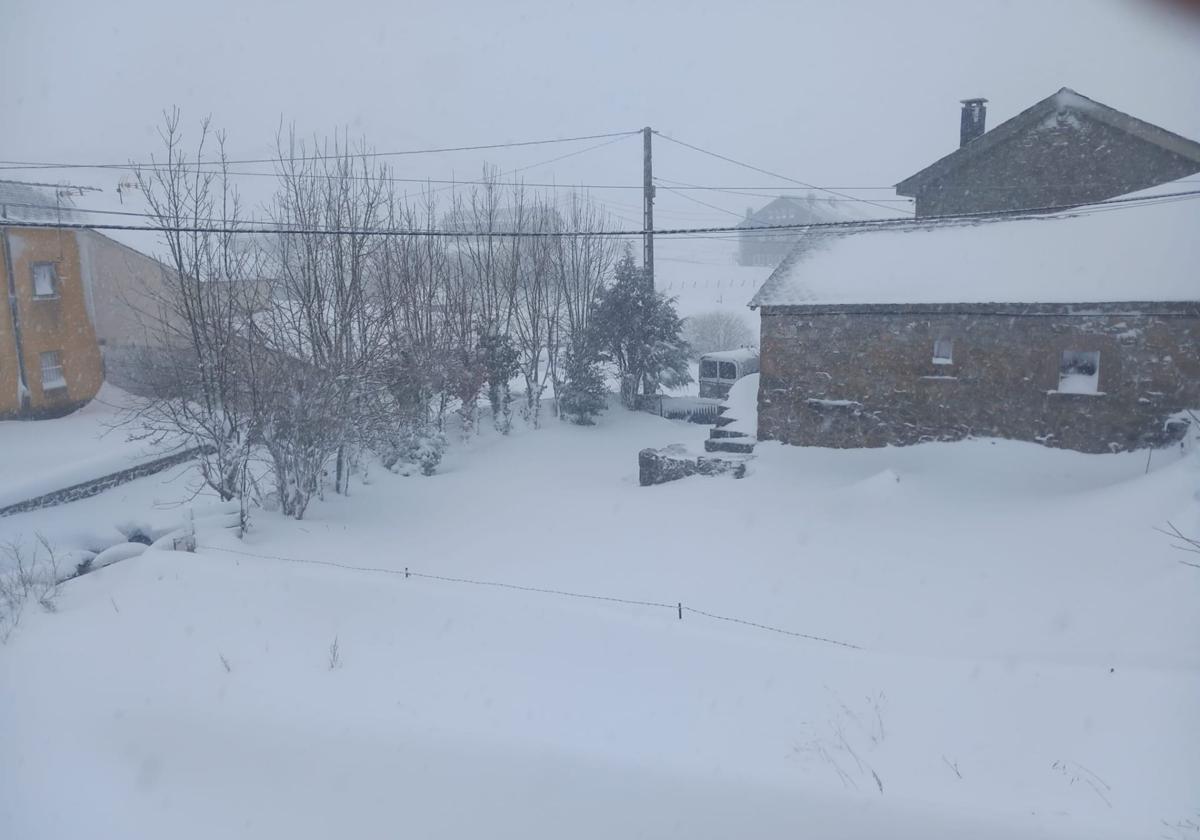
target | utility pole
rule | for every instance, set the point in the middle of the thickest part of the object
(648, 201)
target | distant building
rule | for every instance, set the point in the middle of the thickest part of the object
(79, 304)
(50, 361)
(770, 247)
(1078, 329)
(1066, 150)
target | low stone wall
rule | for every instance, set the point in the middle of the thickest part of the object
(658, 466)
(99, 485)
(864, 376)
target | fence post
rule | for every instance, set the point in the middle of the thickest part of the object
(681, 610)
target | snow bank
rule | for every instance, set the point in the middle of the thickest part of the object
(742, 405)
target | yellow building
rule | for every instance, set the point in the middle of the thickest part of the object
(50, 360)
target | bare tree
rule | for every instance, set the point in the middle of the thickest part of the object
(537, 304)
(489, 263)
(192, 373)
(329, 202)
(716, 330)
(581, 264)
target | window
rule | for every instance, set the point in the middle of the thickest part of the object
(708, 369)
(728, 370)
(52, 371)
(45, 280)
(1079, 372)
(943, 351)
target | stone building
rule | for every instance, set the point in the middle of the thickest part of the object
(759, 247)
(1066, 150)
(1078, 330)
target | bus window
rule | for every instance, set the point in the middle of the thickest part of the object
(728, 370)
(708, 369)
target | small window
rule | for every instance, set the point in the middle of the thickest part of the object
(45, 280)
(1079, 372)
(943, 351)
(728, 370)
(708, 369)
(52, 371)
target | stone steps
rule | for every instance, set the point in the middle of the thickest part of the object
(744, 446)
(657, 466)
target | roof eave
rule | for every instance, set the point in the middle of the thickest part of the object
(1176, 308)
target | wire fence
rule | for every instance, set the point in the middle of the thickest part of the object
(678, 607)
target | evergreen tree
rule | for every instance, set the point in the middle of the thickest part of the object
(640, 332)
(501, 363)
(584, 391)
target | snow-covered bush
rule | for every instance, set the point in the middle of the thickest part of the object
(428, 447)
(420, 445)
(584, 392)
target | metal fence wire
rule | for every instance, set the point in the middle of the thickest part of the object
(678, 607)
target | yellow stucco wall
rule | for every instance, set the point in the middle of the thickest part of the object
(59, 323)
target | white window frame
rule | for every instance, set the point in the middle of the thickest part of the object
(39, 271)
(946, 348)
(1072, 382)
(53, 376)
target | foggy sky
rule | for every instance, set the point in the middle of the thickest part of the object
(835, 93)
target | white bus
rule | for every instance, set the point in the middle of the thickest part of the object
(718, 371)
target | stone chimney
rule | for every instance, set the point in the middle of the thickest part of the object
(974, 115)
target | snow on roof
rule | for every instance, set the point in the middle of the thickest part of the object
(742, 354)
(1094, 254)
(21, 202)
(812, 208)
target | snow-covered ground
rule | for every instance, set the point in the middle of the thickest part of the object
(1026, 665)
(41, 456)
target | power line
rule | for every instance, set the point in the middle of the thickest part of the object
(16, 164)
(698, 201)
(539, 164)
(452, 183)
(858, 224)
(767, 171)
(449, 183)
(684, 185)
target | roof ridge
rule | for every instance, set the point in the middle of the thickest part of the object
(1120, 120)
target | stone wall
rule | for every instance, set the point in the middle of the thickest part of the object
(1069, 159)
(96, 486)
(862, 376)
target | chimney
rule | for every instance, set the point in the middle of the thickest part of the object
(974, 114)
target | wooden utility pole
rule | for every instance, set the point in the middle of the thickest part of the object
(648, 201)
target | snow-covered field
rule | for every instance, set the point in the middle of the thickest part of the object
(1026, 665)
(702, 276)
